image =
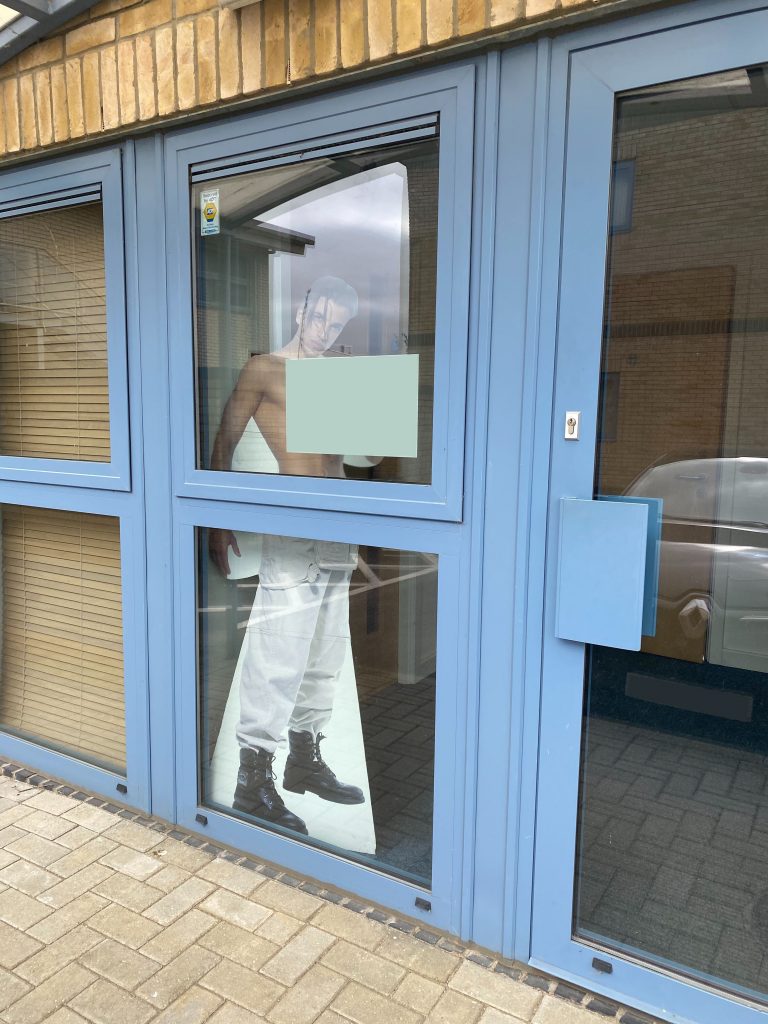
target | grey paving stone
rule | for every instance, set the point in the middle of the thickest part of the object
(177, 902)
(194, 1007)
(55, 957)
(119, 964)
(308, 997)
(230, 876)
(246, 988)
(105, 1003)
(171, 981)
(170, 941)
(417, 993)
(495, 989)
(238, 910)
(353, 927)
(362, 1006)
(52, 994)
(298, 955)
(76, 885)
(12, 988)
(236, 944)
(132, 862)
(408, 952)
(15, 946)
(62, 921)
(368, 969)
(72, 862)
(127, 891)
(124, 926)
(35, 849)
(454, 1008)
(21, 911)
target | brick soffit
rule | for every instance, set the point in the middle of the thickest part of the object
(126, 66)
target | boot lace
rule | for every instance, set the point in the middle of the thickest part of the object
(269, 773)
(318, 757)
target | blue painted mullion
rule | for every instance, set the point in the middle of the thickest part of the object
(116, 318)
(148, 275)
(503, 509)
(545, 212)
(464, 776)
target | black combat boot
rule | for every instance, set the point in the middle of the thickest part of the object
(306, 770)
(256, 794)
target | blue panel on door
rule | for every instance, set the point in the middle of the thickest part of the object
(652, 556)
(601, 572)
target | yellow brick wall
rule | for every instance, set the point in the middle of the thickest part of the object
(128, 63)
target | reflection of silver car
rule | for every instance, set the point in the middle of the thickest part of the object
(713, 580)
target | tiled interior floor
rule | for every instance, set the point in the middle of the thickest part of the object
(675, 850)
(399, 731)
(109, 920)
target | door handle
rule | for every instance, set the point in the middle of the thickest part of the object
(601, 572)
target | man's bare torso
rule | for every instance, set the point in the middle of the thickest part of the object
(266, 381)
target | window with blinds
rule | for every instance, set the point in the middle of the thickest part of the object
(54, 397)
(61, 654)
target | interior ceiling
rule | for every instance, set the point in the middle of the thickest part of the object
(7, 14)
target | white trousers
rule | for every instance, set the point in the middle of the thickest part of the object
(296, 639)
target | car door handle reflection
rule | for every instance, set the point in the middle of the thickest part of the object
(694, 618)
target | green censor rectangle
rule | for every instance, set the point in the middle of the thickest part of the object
(354, 405)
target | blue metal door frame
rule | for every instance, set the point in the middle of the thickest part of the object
(433, 518)
(276, 135)
(587, 70)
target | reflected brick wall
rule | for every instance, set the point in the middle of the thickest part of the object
(687, 300)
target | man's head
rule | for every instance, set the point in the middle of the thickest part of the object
(328, 306)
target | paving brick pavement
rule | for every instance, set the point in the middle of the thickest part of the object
(110, 917)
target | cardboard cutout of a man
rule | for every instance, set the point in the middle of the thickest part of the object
(298, 630)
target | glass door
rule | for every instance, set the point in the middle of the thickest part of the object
(667, 874)
(314, 309)
(316, 351)
(672, 853)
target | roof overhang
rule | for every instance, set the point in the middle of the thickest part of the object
(23, 22)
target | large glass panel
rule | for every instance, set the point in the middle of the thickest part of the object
(672, 859)
(54, 397)
(315, 316)
(317, 692)
(61, 636)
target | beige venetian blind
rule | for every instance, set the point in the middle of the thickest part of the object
(61, 662)
(54, 400)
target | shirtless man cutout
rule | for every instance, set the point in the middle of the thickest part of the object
(298, 630)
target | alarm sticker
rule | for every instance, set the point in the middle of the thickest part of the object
(209, 212)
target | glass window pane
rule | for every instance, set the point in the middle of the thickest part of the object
(61, 661)
(673, 847)
(317, 692)
(54, 396)
(298, 269)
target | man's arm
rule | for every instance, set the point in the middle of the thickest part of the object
(241, 406)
